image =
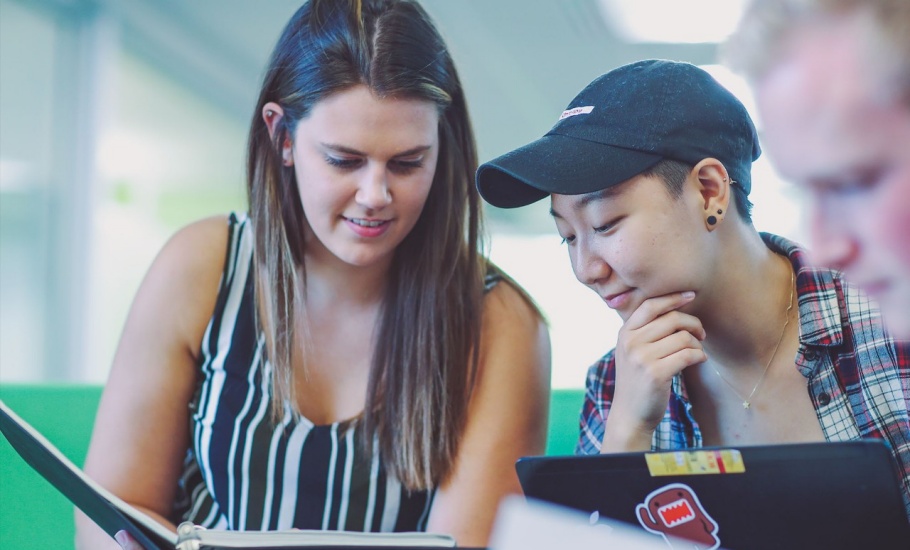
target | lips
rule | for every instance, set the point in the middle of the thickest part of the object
(618, 300)
(366, 227)
(367, 223)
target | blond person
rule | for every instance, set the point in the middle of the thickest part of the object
(832, 86)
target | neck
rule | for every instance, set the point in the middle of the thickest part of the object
(746, 309)
(333, 283)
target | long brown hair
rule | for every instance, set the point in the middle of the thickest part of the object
(426, 343)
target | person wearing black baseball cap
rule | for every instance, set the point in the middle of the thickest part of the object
(729, 336)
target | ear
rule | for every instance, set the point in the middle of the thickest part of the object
(272, 114)
(714, 186)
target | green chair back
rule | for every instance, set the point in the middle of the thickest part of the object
(33, 515)
(565, 415)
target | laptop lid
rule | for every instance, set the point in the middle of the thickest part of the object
(812, 495)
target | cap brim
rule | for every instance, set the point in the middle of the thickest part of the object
(557, 164)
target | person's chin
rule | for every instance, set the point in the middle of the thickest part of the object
(896, 315)
(893, 298)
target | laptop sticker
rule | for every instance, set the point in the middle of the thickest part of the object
(674, 512)
(724, 461)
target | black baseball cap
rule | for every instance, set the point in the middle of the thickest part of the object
(621, 124)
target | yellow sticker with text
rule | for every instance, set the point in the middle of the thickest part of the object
(677, 463)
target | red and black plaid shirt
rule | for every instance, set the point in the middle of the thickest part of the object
(858, 376)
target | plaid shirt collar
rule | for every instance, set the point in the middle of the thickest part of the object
(820, 320)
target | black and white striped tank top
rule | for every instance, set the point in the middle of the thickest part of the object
(242, 472)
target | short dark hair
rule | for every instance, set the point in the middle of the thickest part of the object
(674, 174)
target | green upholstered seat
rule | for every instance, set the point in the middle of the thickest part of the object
(33, 515)
(565, 415)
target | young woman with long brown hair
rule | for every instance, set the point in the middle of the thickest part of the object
(342, 356)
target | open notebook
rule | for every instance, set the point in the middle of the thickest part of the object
(112, 514)
(814, 495)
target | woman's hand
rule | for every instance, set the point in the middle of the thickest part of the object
(655, 344)
(127, 542)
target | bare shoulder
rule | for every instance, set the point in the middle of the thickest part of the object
(506, 304)
(514, 333)
(187, 272)
(196, 249)
(193, 258)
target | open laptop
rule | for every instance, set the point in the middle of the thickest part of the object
(812, 495)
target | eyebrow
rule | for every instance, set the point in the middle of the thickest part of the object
(350, 151)
(588, 198)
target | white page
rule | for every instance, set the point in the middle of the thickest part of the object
(530, 524)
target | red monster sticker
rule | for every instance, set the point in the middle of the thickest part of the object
(675, 510)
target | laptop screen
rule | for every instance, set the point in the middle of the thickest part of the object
(812, 495)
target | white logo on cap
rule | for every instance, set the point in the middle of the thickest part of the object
(576, 111)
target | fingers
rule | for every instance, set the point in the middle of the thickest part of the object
(655, 344)
(657, 330)
(674, 344)
(126, 541)
(677, 361)
(652, 308)
(666, 325)
(657, 363)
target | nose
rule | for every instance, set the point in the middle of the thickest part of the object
(833, 242)
(373, 190)
(589, 266)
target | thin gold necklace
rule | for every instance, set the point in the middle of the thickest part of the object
(747, 401)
